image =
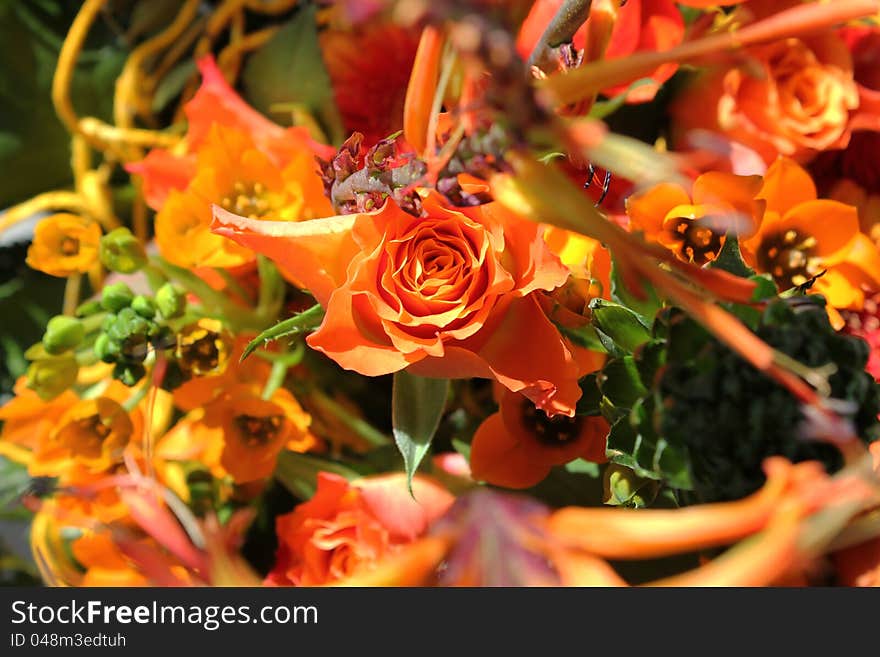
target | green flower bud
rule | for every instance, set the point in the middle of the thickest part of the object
(89, 308)
(121, 251)
(117, 296)
(103, 348)
(62, 334)
(52, 376)
(144, 306)
(170, 301)
(108, 322)
(129, 373)
(129, 323)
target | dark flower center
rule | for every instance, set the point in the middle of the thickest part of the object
(695, 241)
(788, 257)
(69, 246)
(551, 431)
(258, 431)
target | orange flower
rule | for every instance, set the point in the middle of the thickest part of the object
(448, 294)
(641, 25)
(517, 446)
(67, 437)
(104, 564)
(793, 97)
(348, 528)
(369, 66)
(693, 226)
(236, 175)
(64, 244)
(801, 237)
(239, 434)
(216, 103)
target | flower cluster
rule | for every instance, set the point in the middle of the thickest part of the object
(325, 300)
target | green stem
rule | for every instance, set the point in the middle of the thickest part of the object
(362, 428)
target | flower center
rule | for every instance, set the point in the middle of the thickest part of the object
(694, 241)
(69, 246)
(248, 200)
(90, 433)
(258, 431)
(554, 432)
(789, 258)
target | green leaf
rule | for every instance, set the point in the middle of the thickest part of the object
(621, 382)
(646, 308)
(289, 69)
(416, 408)
(303, 322)
(624, 327)
(634, 443)
(730, 259)
(172, 84)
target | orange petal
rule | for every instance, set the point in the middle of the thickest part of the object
(833, 224)
(503, 458)
(627, 533)
(421, 89)
(315, 252)
(404, 515)
(648, 209)
(786, 184)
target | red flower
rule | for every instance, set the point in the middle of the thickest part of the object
(370, 66)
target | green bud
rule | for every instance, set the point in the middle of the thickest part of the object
(105, 348)
(129, 373)
(144, 306)
(62, 334)
(108, 322)
(89, 308)
(128, 324)
(121, 251)
(52, 376)
(115, 297)
(171, 301)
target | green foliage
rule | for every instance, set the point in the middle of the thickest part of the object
(289, 70)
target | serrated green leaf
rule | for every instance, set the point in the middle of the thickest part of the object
(289, 69)
(730, 259)
(416, 408)
(303, 322)
(626, 328)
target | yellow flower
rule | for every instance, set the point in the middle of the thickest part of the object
(64, 244)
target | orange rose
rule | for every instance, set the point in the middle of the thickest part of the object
(349, 527)
(449, 294)
(792, 97)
